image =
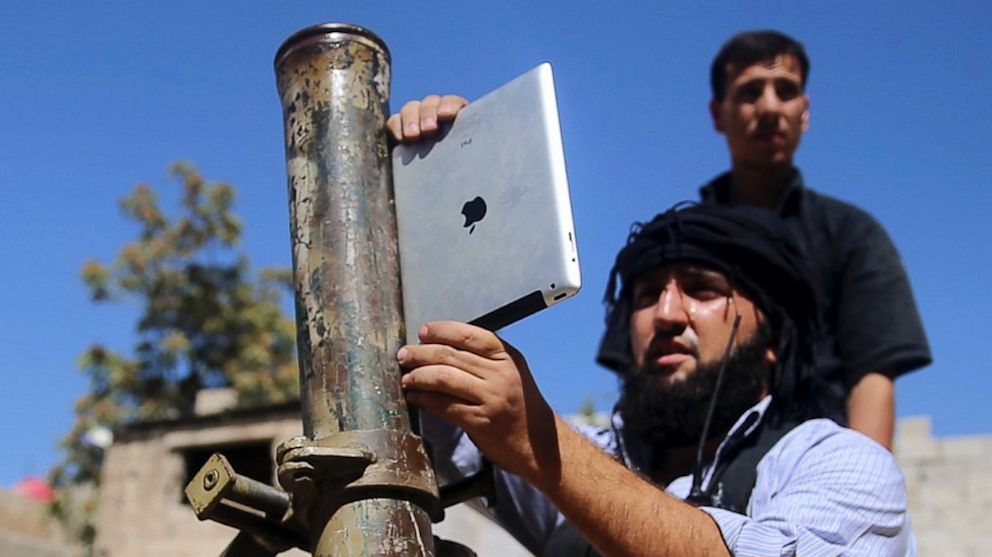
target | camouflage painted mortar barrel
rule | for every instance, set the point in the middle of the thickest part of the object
(333, 81)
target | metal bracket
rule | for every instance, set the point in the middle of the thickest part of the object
(217, 493)
(352, 465)
(343, 467)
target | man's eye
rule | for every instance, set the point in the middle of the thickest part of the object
(787, 91)
(749, 93)
(705, 291)
(645, 298)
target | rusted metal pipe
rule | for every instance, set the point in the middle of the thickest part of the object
(333, 82)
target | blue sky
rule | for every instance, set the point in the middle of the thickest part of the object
(98, 96)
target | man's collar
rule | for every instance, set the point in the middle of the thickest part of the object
(718, 192)
(749, 420)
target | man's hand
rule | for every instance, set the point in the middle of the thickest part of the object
(419, 119)
(469, 377)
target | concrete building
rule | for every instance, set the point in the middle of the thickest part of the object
(143, 512)
(26, 529)
(949, 481)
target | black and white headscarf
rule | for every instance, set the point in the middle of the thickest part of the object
(754, 250)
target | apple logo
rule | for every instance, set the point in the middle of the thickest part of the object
(474, 211)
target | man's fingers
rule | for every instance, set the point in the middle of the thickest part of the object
(428, 114)
(395, 126)
(435, 108)
(420, 355)
(419, 119)
(450, 106)
(463, 336)
(446, 380)
(446, 407)
(410, 118)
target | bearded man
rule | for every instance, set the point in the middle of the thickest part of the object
(872, 333)
(715, 446)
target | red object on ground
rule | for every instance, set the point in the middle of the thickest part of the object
(34, 488)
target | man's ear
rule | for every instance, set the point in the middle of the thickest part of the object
(715, 115)
(771, 358)
(806, 113)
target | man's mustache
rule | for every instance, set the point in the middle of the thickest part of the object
(661, 344)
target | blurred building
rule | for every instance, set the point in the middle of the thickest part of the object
(26, 530)
(949, 481)
(143, 511)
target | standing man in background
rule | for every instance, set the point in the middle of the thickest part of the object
(872, 330)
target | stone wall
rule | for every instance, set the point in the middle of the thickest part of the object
(27, 530)
(142, 512)
(142, 508)
(949, 481)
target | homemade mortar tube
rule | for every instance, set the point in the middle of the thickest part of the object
(333, 81)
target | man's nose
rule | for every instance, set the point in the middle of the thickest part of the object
(769, 102)
(671, 311)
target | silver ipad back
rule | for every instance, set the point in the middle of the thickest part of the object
(483, 213)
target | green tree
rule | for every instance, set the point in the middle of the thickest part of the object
(205, 321)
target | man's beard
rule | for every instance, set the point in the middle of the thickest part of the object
(672, 415)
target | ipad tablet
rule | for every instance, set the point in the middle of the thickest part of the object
(483, 212)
